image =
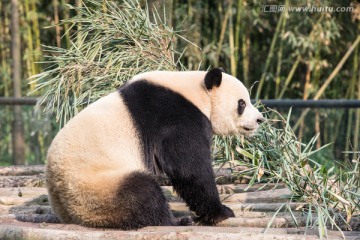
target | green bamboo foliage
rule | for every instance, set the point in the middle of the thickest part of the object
(108, 49)
(276, 155)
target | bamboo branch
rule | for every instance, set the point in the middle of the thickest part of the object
(270, 54)
(329, 79)
(222, 34)
(289, 77)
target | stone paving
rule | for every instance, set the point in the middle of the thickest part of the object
(22, 195)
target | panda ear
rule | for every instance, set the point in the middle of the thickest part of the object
(222, 69)
(213, 78)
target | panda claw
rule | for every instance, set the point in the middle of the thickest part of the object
(185, 221)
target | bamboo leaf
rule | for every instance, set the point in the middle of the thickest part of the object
(244, 152)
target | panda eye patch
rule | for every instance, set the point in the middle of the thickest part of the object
(241, 106)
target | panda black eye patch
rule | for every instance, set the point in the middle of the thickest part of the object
(241, 106)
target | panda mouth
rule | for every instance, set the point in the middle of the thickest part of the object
(249, 129)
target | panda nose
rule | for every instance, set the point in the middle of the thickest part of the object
(260, 120)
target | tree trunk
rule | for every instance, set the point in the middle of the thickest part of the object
(18, 128)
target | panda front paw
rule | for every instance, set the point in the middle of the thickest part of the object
(185, 221)
(212, 218)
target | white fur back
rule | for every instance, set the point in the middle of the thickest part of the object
(189, 84)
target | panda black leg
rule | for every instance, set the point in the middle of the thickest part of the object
(188, 164)
(201, 196)
(141, 203)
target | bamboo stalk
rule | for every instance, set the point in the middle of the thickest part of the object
(357, 125)
(305, 96)
(104, 7)
(307, 82)
(329, 79)
(4, 65)
(333, 134)
(231, 43)
(56, 20)
(66, 25)
(7, 55)
(279, 56)
(316, 81)
(246, 56)
(289, 77)
(18, 126)
(79, 4)
(357, 121)
(351, 93)
(222, 34)
(270, 54)
(36, 30)
(30, 50)
(317, 127)
(237, 32)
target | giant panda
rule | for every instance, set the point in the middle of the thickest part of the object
(101, 166)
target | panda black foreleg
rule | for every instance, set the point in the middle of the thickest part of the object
(189, 167)
(202, 199)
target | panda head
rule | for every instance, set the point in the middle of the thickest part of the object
(231, 108)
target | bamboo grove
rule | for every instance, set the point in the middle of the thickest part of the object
(278, 55)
